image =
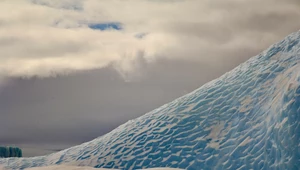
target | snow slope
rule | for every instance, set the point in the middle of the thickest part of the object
(247, 119)
(63, 167)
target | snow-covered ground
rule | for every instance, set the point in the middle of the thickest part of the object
(63, 167)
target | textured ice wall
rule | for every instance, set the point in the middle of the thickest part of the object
(247, 119)
(61, 167)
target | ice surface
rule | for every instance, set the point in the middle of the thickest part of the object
(248, 118)
(63, 167)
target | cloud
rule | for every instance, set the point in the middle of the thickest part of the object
(42, 38)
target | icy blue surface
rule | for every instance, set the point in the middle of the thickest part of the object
(247, 119)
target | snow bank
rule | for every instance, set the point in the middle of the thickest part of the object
(63, 167)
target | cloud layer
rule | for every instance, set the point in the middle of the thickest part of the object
(43, 38)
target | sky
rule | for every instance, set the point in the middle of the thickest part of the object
(73, 70)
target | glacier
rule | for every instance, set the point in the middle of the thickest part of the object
(249, 118)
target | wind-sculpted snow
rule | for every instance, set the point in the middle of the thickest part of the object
(247, 119)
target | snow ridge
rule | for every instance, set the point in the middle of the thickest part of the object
(249, 118)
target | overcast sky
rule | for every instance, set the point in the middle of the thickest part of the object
(64, 81)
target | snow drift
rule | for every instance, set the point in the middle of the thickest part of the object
(62, 167)
(247, 119)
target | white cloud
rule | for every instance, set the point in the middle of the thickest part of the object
(41, 37)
